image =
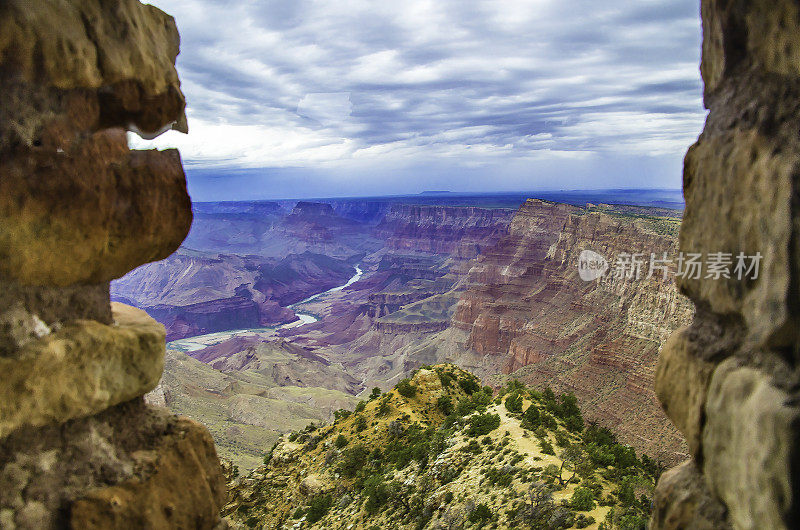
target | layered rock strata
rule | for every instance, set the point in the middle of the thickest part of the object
(78, 446)
(459, 231)
(528, 313)
(729, 380)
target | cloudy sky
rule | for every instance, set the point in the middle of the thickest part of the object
(305, 98)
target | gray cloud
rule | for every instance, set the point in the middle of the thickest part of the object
(438, 84)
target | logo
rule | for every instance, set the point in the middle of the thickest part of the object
(591, 265)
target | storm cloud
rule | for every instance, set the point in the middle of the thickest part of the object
(362, 97)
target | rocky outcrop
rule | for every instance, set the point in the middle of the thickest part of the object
(683, 501)
(207, 317)
(399, 328)
(741, 187)
(78, 446)
(459, 231)
(80, 370)
(369, 212)
(316, 225)
(192, 293)
(527, 311)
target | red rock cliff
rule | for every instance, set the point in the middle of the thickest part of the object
(527, 305)
(460, 231)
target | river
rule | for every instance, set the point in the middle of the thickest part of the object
(199, 342)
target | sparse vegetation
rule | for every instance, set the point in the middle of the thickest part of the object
(318, 508)
(445, 404)
(388, 462)
(481, 424)
(514, 402)
(406, 389)
(582, 500)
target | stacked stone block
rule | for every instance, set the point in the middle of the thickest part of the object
(78, 446)
(730, 381)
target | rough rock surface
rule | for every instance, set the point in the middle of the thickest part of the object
(460, 231)
(186, 474)
(74, 75)
(681, 384)
(527, 312)
(77, 209)
(81, 369)
(43, 470)
(741, 185)
(683, 501)
(124, 209)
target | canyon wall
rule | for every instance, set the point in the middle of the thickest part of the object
(729, 381)
(192, 293)
(78, 446)
(529, 313)
(458, 231)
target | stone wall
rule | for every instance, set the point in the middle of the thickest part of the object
(730, 381)
(78, 446)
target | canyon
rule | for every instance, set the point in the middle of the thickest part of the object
(490, 288)
(80, 448)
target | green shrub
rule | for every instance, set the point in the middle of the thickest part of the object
(361, 406)
(598, 435)
(448, 497)
(531, 418)
(469, 384)
(499, 477)
(562, 439)
(385, 407)
(376, 393)
(482, 424)
(480, 514)
(341, 414)
(473, 447)
(377, 493)
(514, 402)
(548, 421)
(568, 406)
(481, 400)
(353, 460)
(268, 456)
(651, 467)
(624, 456)
(574, 423)
(465, 406)
(515, 385)
(445, 404)
(341, 441)
(547, 447)
(406, 389)
(361, 423)
(318, 508)
(582, 500)
(444, 378)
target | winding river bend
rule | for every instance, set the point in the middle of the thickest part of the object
(199, 342)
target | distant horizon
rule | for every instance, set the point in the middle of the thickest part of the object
(323, 99)
(600, 194)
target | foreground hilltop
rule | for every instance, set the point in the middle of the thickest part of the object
(439, 451)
